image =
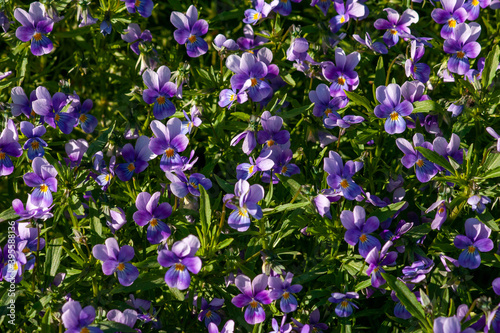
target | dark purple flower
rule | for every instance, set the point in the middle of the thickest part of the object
(81, 111)
(425, 170)
(262, 9)
(476, 240)
(127, 317)
(345, 306)
(345, 11)
(324, 104)
(324, 5)
(143, 7)
(282, 165)
(376, 261)
(342, 74)
(418, 270)
(76, 319)
(4, 21)
(116, 259)
(254, 294)
(209, 313)
(463, 46)
(181, 256)
(9, 147)
(105, 28)
(152, 213)
(374, 46)
(51, 109)
(340, 176)
(158, 92)
(134, 35)
(248, 74)
(392, 108)
(136, 160)
(250, 41)
(43, 180)
(478, 203)
(359, 230)
(189, 31)
(395, 25)
(334, 120)
(34, 26)
(182, 185)
(283, 290)
(168, 142)
(248, 198)
(313, 322)
(21, 103)
(418, 71)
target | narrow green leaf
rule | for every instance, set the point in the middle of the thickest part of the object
(100, 142)
(288, 79)
(241, 115)
(8, 215)
(387, 212)
(359, 100)
(295, 112)
(225, 243)
(53, 259)
(379, 73)
(227, 187)
(490, 67)
(426, 107)
(436, 158)
(177, 294)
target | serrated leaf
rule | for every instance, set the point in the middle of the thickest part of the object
(490, 67)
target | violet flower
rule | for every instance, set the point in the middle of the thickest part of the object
(116, 259)
(248, 197)
(376, 261)
(227, 97)
(455, 109)
(283, 290)
(35, 24)
(341, 73)
(340, 176)
(159, 91)
(424, 169)
(75, 150)
(4, 21)
(377, 47)
(152, 213)
(249, 41)
(280, 328)
(192, 121)
(283, 7)
(182, 185)
(43, 180)
(495, 135)
(472, 8)
(136, 160)
(282, 165)
(31, 211)
(476, 74)
(262, 163)
(228, 327)
(249, 143)
(392, 108)
(254, 294)
(463, 46)
(452, 14)
(476, 240)
(440, 216)
(346, 11)
(76, 319)
(51, 110)
(116, 219)
(323, 103)
(345, 306)
(395, 25)
(324, 5)
(14, 261)
(313, 322)
(143, 7)
(168, 142)
(21, 103)
(81, 111)
(248, 74)
(418, 270)
(413, 91)
(134, 35)
(262, 9)
(181, 260)
(209, 313)
(105, 28)
(271, 132)
(9, 147)
(418, 71)
(450, 325)
(221, 42)
(127, 317)
(84, 15)
(452, 149)
(334, 120)
(478, 203)
(359, 230)
(189, 31)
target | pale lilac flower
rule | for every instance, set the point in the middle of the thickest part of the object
(351, 9)
(43, 179)
(116, 259)
(134, 35)
(452, 14)
(341, 73)
(392, 108)
(35, 24)
(463, 46)
(377, 47)
(254, 294)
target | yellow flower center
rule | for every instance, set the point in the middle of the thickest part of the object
(2, 155)
(250, 169)
(57, 117)
(131, 167)
(83, 118)
(471, 249)
(254, 82)
(44, 188)
(363, 238)
(341, 81)
(242, 212)
(394, 31)
(209, 314)
(452, 23)
(394, 116)
(284, 1)
(254, 304)
(284, 169)
(179, 267)
(344, 183)
(192, 38)
(26, 250)
(328, 111)
(460, 54)
(475, 3)
(170, 152)
(160, 100)
(137, 3)
(286, 295)
(153, 222)
(256, 16)
(35, 145)
(121, 267)
(420, 162)
(342, 19)
(108, 177)
(376, 269)
(193, 184)
(37, 37)
(344, 303)
(16, 266)
(85, 330)
(441, 209)
(270, 142)
(33, 113)
(232, 97)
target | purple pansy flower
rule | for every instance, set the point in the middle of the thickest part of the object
(209, 313)
(374, 46)
(227, 97)
(14, 261)
(413, 91)
(247, 197)
(418, 71)
(168, 142)
(340, 176)
(150, 212)
(476, 240)
(249, 143)
(342, 74)
(282, 165)
(116, 259)
(105, 28)
(478, 203)
(134, 35)
(262, 163)
(395, 25)
(424, 169)
(158, 92)
(324, 5)
(249, 41)
(476, 74)
(463, 46)
(334, 120)
(359, 230)
(21, 103)
(87, 121)
(4, 21)
(495, 135)
(127, 317)
(191, 121)
(31, 211)
(136, 160)
(284, 290)
(34, 26)
(254, 294)
(376, 261)
(189, 31)
(248, 74)
(313, 323)
(392, 108)
(143, 7)
(280, 328)
(51, 110)
(76, 319)
(450, 325)
(116, 219)
(43, 180)
(228, 327)
(452, 149)
(271, 132)
(324, 104)
(472, 8)
(440, 216)
(105, 174)
(345, 306)
(181, 260)
(182, 185)
(221, 41)
(75, 150)
(418, 270)
(345, 11)
(9, 147)
(283, 7)
(452, 14)
(262, 9)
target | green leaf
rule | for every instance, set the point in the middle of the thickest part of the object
(436, 158)
(205, 215)
(285, 207)
(408, 299)
(100, 142)
(177, 294)
(111, 327)
(53, 259)
(379, 73)
(488, 220)
(8, 215)
(359, 100)
(426, 107)
(289, 80)
(241, 115)
(295, 112)
(490, 67)
(492, 173)
(227, 187)
(387, 212)
(225, 243)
